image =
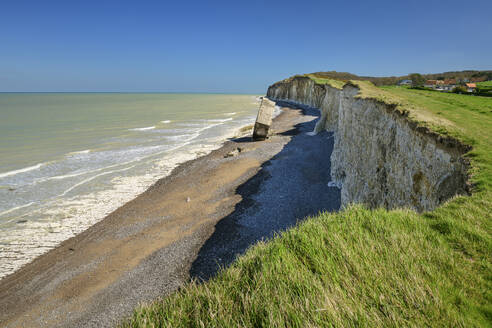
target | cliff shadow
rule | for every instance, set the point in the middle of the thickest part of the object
(289, 187)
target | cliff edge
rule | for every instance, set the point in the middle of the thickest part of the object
(382, 156)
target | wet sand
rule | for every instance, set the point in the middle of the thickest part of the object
(187, 224)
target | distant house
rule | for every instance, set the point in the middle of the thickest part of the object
(405, 82)
(449, 84)
(430, 83)
(470, 87)
(433, 84)
(478, 79)
(441, 85)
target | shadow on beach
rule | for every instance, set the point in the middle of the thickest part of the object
(290, 187)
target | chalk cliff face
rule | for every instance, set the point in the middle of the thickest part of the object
(380, 158)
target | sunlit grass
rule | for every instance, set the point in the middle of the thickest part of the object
(485, 84)
(360, 267)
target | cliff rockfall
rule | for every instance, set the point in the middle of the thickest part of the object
(380, 157)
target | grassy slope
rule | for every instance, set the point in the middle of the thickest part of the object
(485, 88)
(337, 84)
(485, 84)
(364, 267)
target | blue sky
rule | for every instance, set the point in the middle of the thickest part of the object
(231, 46)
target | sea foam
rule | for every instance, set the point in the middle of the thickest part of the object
(26, 169)
(217, 120)
(143, 129)
(54, 200)
(86, 151)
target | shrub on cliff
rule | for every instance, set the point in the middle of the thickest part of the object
(459, 89)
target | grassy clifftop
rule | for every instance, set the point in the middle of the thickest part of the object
(360, 267)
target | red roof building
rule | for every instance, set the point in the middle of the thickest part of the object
(433, 82)
(478, 79)
(449, 82)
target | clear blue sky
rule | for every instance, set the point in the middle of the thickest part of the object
(231, 46)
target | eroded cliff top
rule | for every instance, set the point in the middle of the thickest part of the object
(419, 113)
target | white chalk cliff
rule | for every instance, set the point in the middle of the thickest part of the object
(380, 158)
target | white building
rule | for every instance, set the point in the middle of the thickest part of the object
(405, 82)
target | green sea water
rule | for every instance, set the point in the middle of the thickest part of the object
(37, 127)
(68, 159)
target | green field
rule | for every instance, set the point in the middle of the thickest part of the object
(360, 267)
(485, 88)
(485, 84)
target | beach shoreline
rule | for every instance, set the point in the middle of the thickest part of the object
(185, 225)
(42, 205)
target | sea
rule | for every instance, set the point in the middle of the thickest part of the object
(69, 159)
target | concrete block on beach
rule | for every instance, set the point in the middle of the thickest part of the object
(264, 119)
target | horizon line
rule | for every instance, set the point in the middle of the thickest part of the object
(148, 92)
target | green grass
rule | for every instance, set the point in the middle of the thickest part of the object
(485, 84)
(337, 84)
(485, 88)
(470, 121)
(360, 267)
